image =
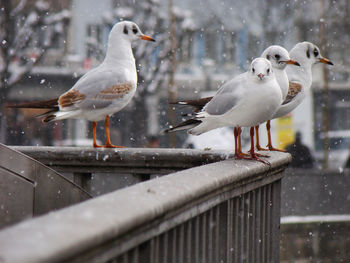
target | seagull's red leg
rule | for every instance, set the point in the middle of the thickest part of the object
(235, 134)
(269, 144)
(108, 138)
(258, 144)
(258, 147)
(239, 142)
(253, 155)
(238, 150)
(94, 125)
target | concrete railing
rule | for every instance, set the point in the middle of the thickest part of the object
(132, 165)
(228, 211)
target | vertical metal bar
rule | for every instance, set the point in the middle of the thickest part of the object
(145, 251)
(196, 243)
(181, 243)
(152, 248)
(248, 229)
(210, 247)
(276, 215)
(188, 247)
(262, 222)
(155, 250)
(204, 238)
(230, 232)
(170, 246)
(165, 245)
(238, 229)
(268, 221)
(125, 258)
(135, 255)
(162, 247)
(243, 227)
(253, 226)
(217, 234)
(174, 241)
(258, 227)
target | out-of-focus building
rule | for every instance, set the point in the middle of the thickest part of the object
(218, 44)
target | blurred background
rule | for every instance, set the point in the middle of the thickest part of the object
(46, 46)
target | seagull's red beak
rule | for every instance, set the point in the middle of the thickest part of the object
(326, 61)
(292, 62)
(261, 76)
(148, 38)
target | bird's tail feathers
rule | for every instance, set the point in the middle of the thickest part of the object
(45, 104)
(201, 115)
(58, 115)
(192, 114)
(198, 104)
(47, 115)
(51, 105)
(188, 124)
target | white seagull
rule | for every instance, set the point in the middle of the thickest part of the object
(247, 100)
(102, 91)
(279, 58)
(300, 79)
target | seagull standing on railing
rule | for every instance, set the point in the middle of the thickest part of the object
(247, 100)
(103, 90)
(300, 79)
(279, 58)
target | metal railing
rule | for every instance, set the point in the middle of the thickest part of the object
(228, 211)
(29, 188)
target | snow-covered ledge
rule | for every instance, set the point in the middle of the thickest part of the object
(220, 211)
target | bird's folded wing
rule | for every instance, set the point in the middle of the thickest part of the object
(98, 90)
(107, 96)
(226, 98)
(294, 90)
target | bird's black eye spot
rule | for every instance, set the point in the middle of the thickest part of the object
(125, 30)
(268, 71)
(316, 52)
(253, 70)
(277, 56)
(134, 30)
(308, 53)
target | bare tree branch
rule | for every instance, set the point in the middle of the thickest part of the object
(25, 38)
(18, 8)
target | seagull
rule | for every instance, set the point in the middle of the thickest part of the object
(102, 91)
(247, 100)
(300, 79)
(279, 58)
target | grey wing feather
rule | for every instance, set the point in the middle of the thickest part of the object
(93, 83)
(226, 98)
